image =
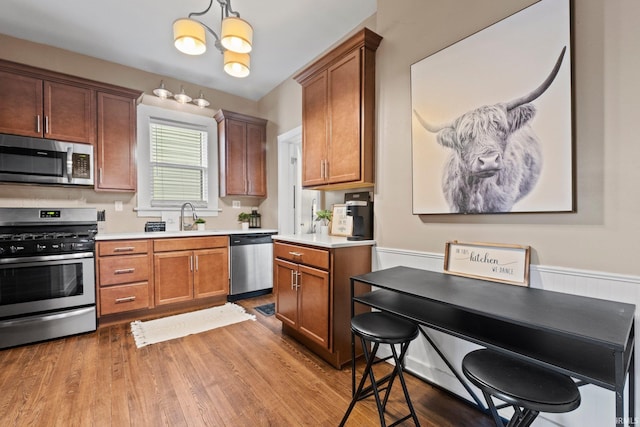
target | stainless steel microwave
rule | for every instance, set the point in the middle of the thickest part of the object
(45, 161)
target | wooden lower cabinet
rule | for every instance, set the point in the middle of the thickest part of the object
(118, 299)
(149, 277)
(211, 276)
(185, 272)
(312, 290)
(305, 305)
(124, 276)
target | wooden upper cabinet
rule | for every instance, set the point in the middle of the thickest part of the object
(315, 130)
(256, 160)
(21, 105)
(236, 155)
(46, 109)
(69, 113)
(44, 104)
(338, 115)
(345, 151)
(242, 146)
(116, 145)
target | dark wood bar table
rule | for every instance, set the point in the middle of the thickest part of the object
(590, 339)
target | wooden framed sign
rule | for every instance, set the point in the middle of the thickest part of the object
(488, 261)
(341, 223)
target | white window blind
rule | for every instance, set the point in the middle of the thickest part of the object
(178, 165)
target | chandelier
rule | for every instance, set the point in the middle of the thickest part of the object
(234, 42)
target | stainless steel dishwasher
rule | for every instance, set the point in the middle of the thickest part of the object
(251, 265)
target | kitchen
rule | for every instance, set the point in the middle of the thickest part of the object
(596, 243)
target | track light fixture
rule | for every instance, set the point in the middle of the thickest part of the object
(236, 36)
(182, 97)
(162, 92)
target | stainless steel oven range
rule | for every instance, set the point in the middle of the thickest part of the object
(47, 273)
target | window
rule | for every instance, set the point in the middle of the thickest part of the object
(178, 165)
(177, 161)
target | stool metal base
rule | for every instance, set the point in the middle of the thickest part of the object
(374, 388)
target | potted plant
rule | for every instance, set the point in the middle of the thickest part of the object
(199, 222)
(243, 218)
(324, 216)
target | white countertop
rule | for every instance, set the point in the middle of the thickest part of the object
(167, 234)
(322, 240)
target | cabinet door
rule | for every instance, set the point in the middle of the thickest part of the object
(314, 138)
(285, 276)
(173, 276)
(344, 120)
(211, 273)
(313, 304)
(256, 161)
(236, 157)
(116, 145)
(21, 106)
(69, 113)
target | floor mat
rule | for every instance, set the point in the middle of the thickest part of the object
(267, 309)
(171, 327)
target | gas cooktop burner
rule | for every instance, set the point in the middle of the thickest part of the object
(27, 232)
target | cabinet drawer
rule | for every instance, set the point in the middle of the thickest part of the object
(123, 269)
(123, 247)
(117, 299)
(189, 243)
(302, 254)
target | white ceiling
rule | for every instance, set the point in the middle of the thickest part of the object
(287, 34)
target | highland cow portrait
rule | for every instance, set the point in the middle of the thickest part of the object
(491, 122)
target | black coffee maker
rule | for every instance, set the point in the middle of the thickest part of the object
(360, 207)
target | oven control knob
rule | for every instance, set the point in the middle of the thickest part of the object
(40, 247)
(14, 249)
(1, 251)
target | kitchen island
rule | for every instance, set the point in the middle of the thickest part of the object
(312, 289)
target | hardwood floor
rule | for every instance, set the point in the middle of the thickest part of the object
(246, 374)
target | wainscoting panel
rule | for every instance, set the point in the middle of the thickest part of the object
(598, 405)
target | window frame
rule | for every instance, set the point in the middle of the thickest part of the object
(148, 114)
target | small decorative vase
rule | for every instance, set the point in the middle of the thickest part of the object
(245, 225)
(324, 230)
(200, 226)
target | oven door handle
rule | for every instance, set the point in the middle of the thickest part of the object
(45, 258)
(47, 318)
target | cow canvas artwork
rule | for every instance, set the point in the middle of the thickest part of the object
(491, 122)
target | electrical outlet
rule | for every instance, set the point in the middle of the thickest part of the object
(118, 206)
(236, 204)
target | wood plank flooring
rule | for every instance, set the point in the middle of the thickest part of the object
(246, 374)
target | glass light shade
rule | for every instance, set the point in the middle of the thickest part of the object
(182, 97)
(189, 36)
(162, 92)
(236, 35)
(236, 64)
(200, 101)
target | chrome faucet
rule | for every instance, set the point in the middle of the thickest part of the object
(183, 225)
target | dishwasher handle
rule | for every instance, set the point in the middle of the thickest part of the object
(251, 239)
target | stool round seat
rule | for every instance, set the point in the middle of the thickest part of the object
(383, 328)
(521, 383)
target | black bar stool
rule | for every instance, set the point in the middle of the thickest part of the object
(382, 328)
(529, 388)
